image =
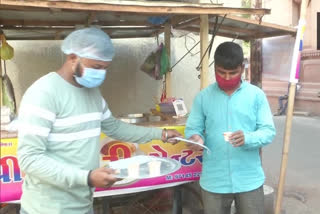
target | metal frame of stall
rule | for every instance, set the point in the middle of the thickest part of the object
(187, 16)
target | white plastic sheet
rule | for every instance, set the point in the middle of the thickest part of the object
(276, 57)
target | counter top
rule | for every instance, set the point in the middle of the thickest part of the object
(175, 122)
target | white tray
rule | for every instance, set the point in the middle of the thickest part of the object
(167, 166)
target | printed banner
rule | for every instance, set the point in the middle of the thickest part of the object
(11, 177)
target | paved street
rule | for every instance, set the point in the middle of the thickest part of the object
(302, 189)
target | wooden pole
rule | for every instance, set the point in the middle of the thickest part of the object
(285, 151)
(204, 42)
(256, 56)
(291, 97)
(256, 62)
(167, 41)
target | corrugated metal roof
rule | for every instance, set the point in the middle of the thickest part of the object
(48, 20)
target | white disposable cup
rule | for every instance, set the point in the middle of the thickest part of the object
(227, 136)
(133, 170)
(154, 168)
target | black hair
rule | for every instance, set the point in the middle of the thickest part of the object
(228, 55)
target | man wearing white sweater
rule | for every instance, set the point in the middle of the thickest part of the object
(62, 116)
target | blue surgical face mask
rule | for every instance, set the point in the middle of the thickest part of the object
(91, 77)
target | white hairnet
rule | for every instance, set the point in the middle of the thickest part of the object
(90, 43)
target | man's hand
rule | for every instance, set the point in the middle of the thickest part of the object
(170, 133)
(196, 138)
(237, 138)
(103, 177)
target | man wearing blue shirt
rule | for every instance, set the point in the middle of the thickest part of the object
(232, 171)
